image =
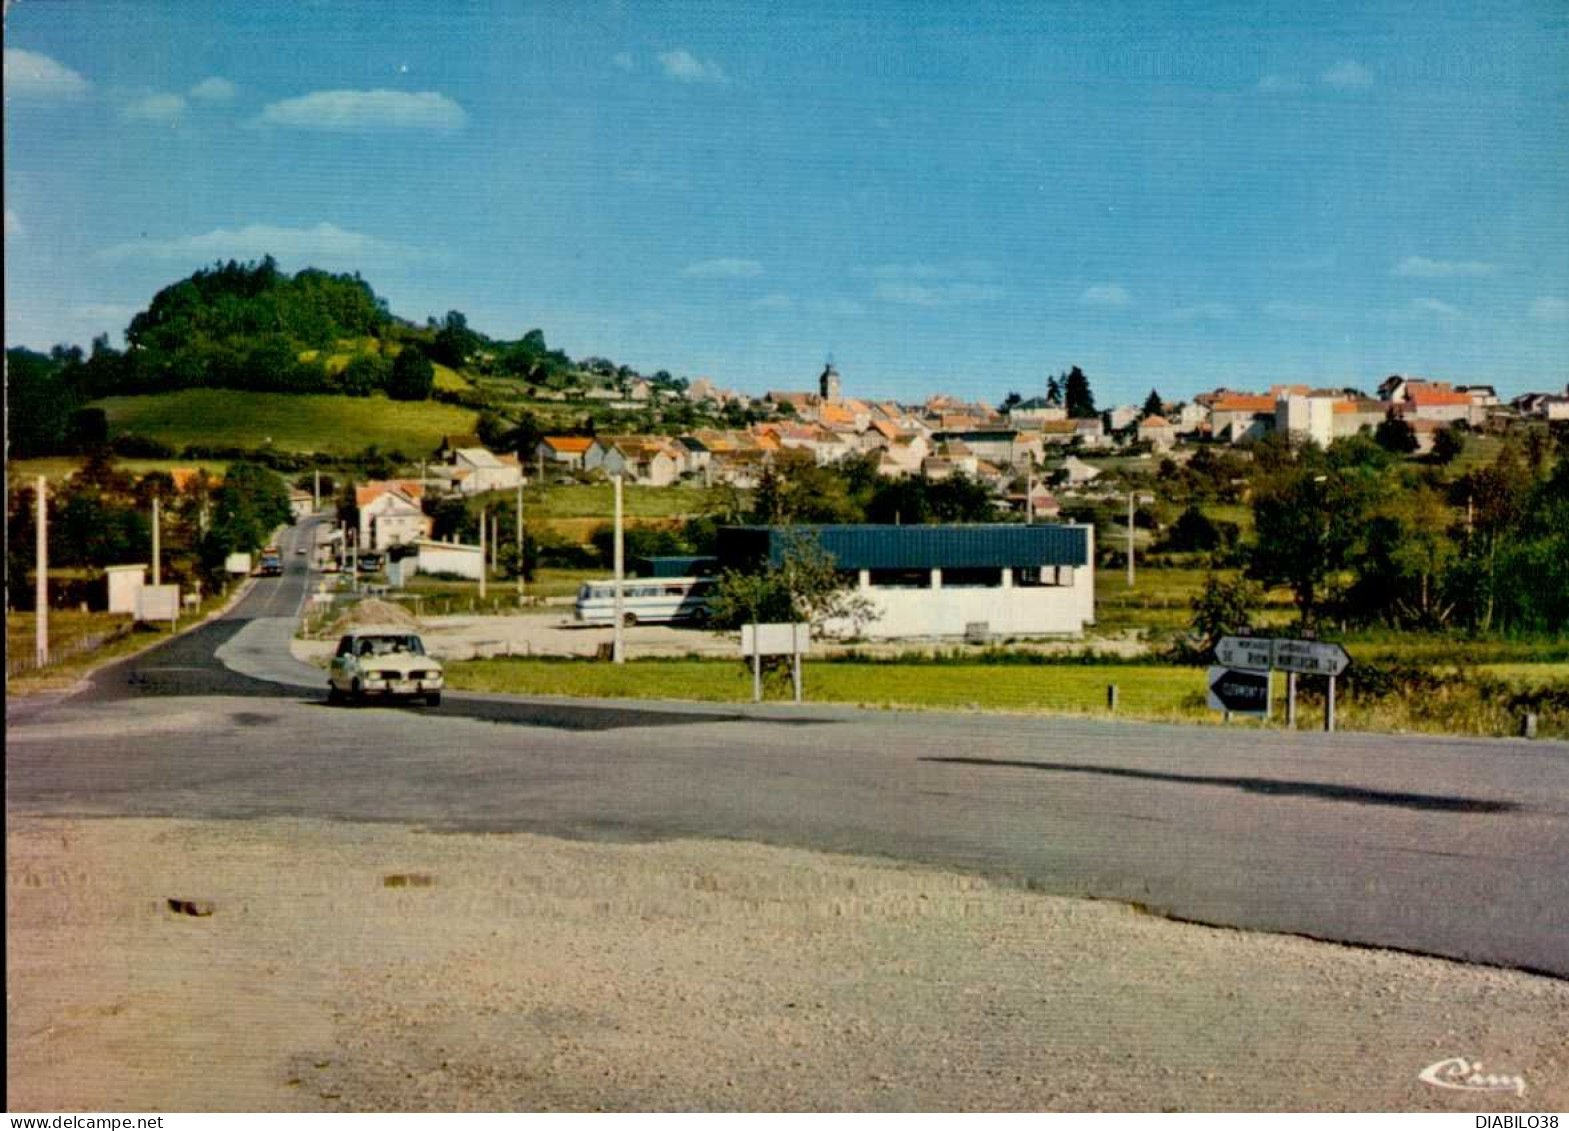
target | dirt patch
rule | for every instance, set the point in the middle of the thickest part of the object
(359, 967)
(373, 612)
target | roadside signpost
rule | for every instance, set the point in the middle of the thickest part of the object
(786, 639)
(1247, 652)
(1239, 692)
(1244, 656)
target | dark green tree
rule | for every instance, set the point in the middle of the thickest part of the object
(1448, 446)
(1079, 399)
(1153, 405)
(413, 376)
(1306, 525)
(1394, 434)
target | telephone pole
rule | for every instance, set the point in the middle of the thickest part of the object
(520, 536)
(41, 566)
(1130, 539)
(482, 559)
(619, 650)
(157, 562)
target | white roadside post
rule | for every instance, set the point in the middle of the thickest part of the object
(795, 657)
(618, 650)
(41, 566)
(482, 559)
(757, 664)
(1130, 538)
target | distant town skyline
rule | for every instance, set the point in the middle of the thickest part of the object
(961, 199)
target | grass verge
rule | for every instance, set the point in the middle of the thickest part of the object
(1146, 691)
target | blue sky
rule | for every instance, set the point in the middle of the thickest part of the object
(946, 197)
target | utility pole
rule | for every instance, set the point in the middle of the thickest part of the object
(482, 558)
(520, 537)
(1130, 539)
(316, 494)
(157, 564)
(618, 653)
(41, 566)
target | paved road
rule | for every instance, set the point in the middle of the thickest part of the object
(1444, 846)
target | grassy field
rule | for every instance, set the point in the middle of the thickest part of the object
(340, 425)
(67, 627)
(1160, 600)
(56, 468)
(1153, 692)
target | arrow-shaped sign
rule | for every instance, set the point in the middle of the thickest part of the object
(1240, 692)
(1252, 653)
(1311, 657)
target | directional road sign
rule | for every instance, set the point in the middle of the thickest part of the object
(1253, 653)
(1240, 692)
(1311, 657)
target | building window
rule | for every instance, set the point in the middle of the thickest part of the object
(972, 579)
(901, 578)
(1042, 577)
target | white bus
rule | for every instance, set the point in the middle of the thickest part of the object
(645, 600)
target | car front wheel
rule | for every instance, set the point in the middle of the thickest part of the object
(433, 699)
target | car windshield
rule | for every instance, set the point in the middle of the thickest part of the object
(390, 645)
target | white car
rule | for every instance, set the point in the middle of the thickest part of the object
(383, 662)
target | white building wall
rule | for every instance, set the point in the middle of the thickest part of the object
(459, 558)
(1011, 610)
(125, 582)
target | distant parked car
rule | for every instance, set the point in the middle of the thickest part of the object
(383, 662)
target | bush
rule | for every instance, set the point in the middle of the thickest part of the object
(131, 446)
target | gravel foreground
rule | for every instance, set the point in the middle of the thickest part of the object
(351, 967)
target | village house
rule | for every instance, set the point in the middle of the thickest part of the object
(563, 451)
(1158, 432)
(390, 514)
(1035, 412)
(1236, 417)
(649, 461)
(475, 470)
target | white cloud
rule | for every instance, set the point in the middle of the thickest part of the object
(899, 272)
(1419, 309)
(31, 75)
(624, 60)
(318, 246)
(112, 312)
(1420, 267)
(724, 269)
(1294, 311)
(1202, 312)
(213, 89)
(365, 110)
(1348, 74)
(775, 301)
(1548, 308)
(13, 224)
(835, 307)
(683, 66)
(1279, 84)
(937, 294)
(155, 108)
(1106, 294)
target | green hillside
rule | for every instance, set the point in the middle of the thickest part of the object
(292, 422)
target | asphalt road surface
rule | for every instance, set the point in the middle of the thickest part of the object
(1451, 847)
